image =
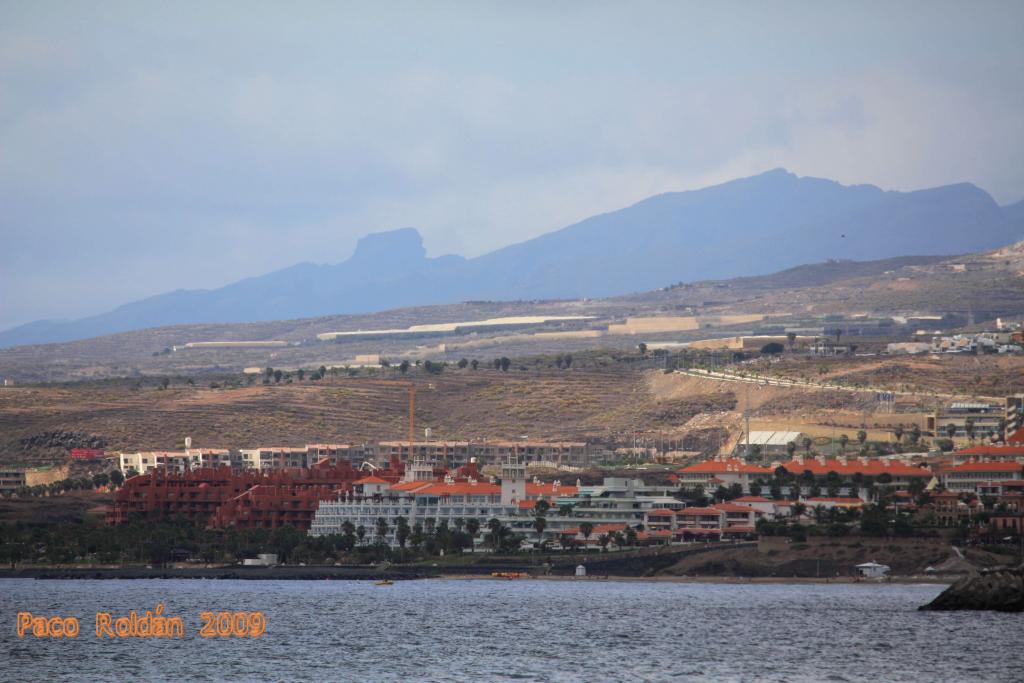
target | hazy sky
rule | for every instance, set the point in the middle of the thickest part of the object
(150, 146)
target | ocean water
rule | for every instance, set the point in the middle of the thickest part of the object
(476, 631)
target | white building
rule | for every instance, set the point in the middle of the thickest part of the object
(421, 499)
(175, 461)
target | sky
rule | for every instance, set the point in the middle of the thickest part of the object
(146, 147)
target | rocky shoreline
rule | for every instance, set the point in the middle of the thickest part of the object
(999, 590)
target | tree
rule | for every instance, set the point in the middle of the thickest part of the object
(586, 528)
(568, 360)
(463, 363)
(100, 479)
(277, 376)
(403, 367)
(642, 347)
(898, 433)
(302, 374)
(322, 371)
(791, 338)
(915, 434)
(284, 539)
(843, 440)
(361, 533)
(495, 526)
(791, 448)
(116, 477)
(772, 348)
(603, 540)
(472, 527)
(402, 531)
(862, 436)
(382, 529)
(807, 443)
(951, 430)
(539, 524)
(474, 363)
(164, 382)
(505, 362)
(969, 428)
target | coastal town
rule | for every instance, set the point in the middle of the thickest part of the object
(959, 476)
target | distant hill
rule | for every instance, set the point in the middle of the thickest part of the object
(980, 286)
(747, 227)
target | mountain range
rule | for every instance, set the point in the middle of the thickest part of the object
(750, 226)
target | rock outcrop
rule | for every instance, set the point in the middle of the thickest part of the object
(996, 589)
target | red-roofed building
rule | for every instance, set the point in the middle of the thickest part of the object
(660, 518)
(740, 518)
(700, 518)
(948, 508)
(1006, 452)
(764, 505)
(847, 468)
(725, 472)
(972, 475)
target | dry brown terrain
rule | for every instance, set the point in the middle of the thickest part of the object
(603, 397)
(70, 506)
(949, 374)
(540, 401)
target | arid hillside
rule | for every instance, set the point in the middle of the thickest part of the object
(595, 399)
(836, 293)
(604, 397)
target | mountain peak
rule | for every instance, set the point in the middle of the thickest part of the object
(404, 245)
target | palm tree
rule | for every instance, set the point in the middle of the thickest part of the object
(586, 528)
(604, 540)
(495, 525)
(382, 528)
(401, 531)
(473, 527)
(539, 524)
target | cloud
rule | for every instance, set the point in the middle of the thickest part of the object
(146, 149)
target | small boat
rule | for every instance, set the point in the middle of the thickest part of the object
(385, 582)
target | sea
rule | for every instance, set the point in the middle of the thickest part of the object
(475, 631)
